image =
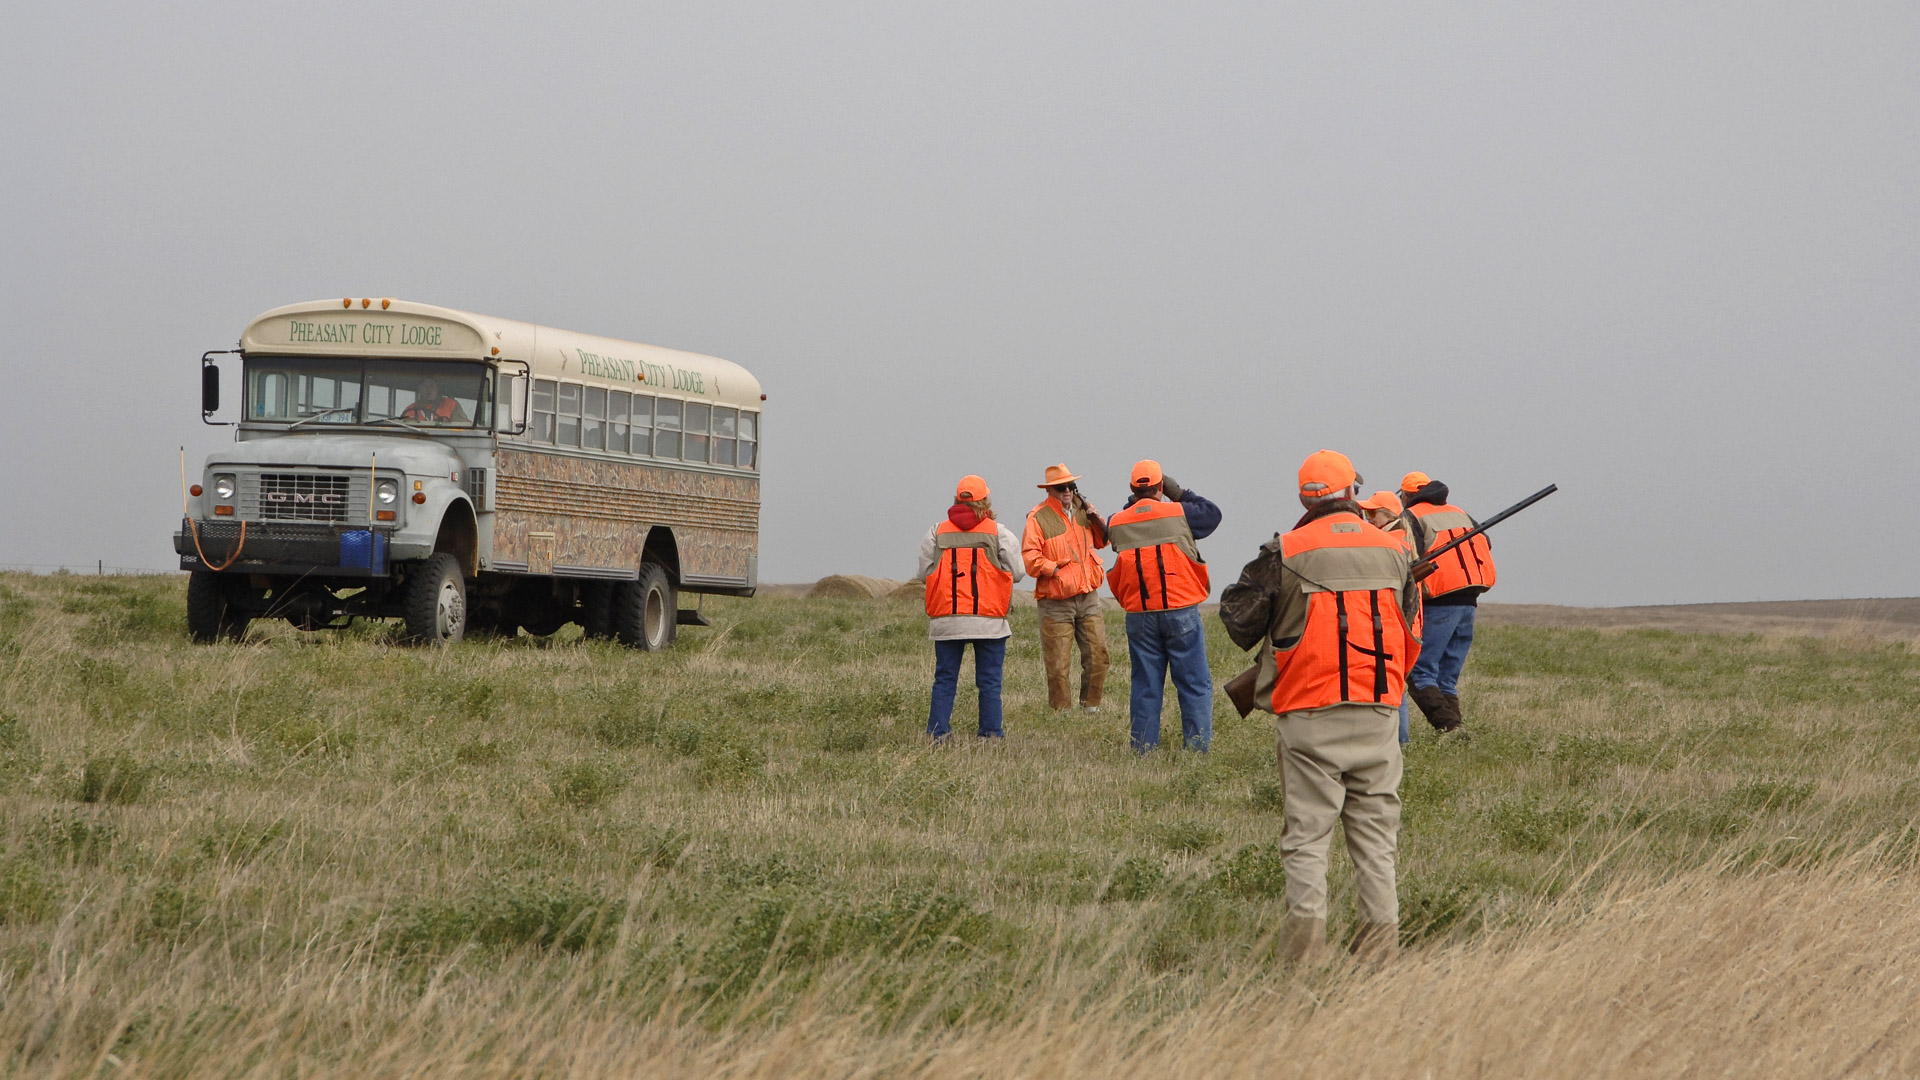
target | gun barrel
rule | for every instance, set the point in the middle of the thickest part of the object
(1490, 522)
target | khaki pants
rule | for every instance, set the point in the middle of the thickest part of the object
(1063, 622)
(1341, 763)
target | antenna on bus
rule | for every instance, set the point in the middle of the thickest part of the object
(373, 484)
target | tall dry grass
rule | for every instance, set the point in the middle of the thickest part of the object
(1662, 854)
(1806, 972)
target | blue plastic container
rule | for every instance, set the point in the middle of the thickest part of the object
(363, 549)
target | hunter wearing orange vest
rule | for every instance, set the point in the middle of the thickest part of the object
(1161, 580)
(428, 405)
(968, 564)
(1333, 608)
(1058, 546)
(1452, 596)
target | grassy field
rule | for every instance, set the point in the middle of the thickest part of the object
(1661, 854)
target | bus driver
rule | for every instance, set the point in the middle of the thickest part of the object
(428, 405)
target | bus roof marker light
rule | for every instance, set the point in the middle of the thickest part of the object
(385, 304)
(496, 350)
(763, 397)
(346, 301)
(366, 301)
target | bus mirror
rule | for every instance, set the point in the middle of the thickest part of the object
(209, 390)
(511, 416)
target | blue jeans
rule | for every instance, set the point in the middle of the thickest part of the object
(1162, 641)
(989, 659)
(1405, 736)
(1443, 648)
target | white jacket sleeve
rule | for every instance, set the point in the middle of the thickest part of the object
(1009, 554)
(930, 554)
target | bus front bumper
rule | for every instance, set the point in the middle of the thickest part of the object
(281, 547)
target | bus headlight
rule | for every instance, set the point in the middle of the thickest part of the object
(223, 486)
(387, 491)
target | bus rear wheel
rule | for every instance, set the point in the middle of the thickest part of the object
(435, 603)
(646, 612)
(211, 616)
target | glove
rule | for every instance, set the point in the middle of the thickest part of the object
(1172, 487)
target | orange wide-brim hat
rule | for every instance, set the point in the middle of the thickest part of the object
(1382, 500)
(970, 489)
(1057, 475)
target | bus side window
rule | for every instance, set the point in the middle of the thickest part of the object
(694, 446)
(542, 429)
(593, 429)
(725, 429)
(666, 429)
(567, 415)
(643, 423)
(749, 439)
(619, 402)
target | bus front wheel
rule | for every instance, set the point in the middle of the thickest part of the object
(211, 616)
(645, 612)
(435, 603)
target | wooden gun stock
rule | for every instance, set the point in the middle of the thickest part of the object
(1240, 690)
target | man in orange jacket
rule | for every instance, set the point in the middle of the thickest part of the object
(1058, 547)
(1331, 605)
(1452, 596)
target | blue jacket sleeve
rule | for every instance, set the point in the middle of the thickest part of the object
(1202, 516)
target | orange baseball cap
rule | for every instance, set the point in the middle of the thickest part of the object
(1382, 500)
(1146, 473)
(1414, 481)
(1325, 472)
(970, 489)
(1057, 475)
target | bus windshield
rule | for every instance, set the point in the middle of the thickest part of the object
(303, 390)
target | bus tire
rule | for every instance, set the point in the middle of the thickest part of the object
(210, 616)
(596, 609)
(645, 612)
(435, 602)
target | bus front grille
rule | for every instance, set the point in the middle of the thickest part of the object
(303, 497)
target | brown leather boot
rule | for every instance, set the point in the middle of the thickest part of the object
(1455, 721)
(1433, 705)
(1302, 940)
(1375, 943)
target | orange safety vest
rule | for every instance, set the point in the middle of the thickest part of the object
(966, 580)
(442, 411)
(1355, 646)
(1469, 566)
(1160, 567)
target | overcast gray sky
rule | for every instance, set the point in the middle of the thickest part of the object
(1662, 254)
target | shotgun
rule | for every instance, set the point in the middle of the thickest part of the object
(1239, 689)
(1496, 519)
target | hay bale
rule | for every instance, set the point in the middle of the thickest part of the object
(851, 587)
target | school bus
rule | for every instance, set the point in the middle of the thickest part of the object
(466, 473)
